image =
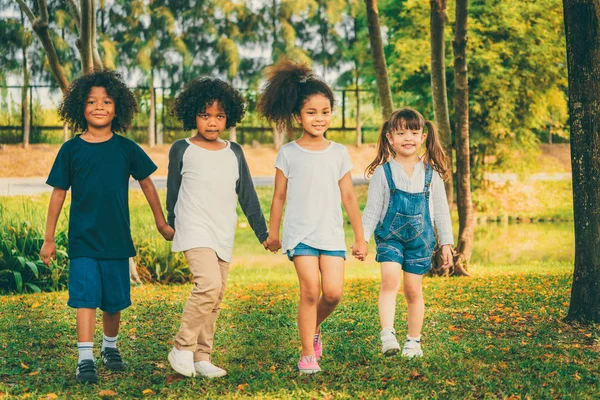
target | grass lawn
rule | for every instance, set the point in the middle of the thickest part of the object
(495, 335)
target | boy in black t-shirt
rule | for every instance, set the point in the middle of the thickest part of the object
(96, 165)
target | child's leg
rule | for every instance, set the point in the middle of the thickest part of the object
(110, 323)
(413, 291)
(204, 265)
(390, 284)
(332, 283)
(205, 338)
(307, 268)
(86, 324)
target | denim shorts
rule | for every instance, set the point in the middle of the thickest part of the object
(99, 283)
(304, 250)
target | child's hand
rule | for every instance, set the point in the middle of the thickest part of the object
(48, 252)
(166, 231)
(360, 249)
(272, 244)
(447, 256)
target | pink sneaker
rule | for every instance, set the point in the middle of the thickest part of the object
(318, 346)
(308, 365)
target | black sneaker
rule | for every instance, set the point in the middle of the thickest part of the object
(111, 359)
(86, 372)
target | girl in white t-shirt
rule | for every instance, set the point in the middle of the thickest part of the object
(313, 174)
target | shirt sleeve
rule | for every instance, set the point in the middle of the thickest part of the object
(248, 198)
(60, 174)
(346, 164)
(142, 166)
(281, 163)
(374, 209)
(174, 178)
(441, 212)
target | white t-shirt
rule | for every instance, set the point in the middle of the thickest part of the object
(313, 212)
(205, 208)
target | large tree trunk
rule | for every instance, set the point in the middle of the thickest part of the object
(25, 93)
(278, 136)
(358, 122)
(381, 76)
(466, 222)
(439, 94)
(582, 29)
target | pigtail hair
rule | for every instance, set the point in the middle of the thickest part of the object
(384, 150)
(279, 99)
(435, 155)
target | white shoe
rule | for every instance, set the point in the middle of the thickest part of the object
(411, 349)
(389, 344)
(182, 361)
(208, 370)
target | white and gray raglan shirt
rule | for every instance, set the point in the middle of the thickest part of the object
(203, 188)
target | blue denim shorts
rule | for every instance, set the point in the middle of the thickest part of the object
(98, 283)
(304, 250)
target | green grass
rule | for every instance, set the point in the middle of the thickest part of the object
(495, 335)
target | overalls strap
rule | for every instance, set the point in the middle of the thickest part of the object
(428, 175)
(388, 174)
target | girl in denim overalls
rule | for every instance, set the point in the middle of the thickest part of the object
(406, 199)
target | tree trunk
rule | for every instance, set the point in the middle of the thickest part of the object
(439, 95)
(40, 27)
(277, 137)
(65, 132)
(152, 116)
(583, 59)
(84, 42)
(379, 62)
(358, 123)
(25, 93)
(466, 222)
(232, 134)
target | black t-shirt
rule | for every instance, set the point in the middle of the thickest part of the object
(98, 175)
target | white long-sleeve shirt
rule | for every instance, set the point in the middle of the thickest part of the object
(379, 198)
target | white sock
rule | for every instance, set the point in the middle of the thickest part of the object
(85, 350)
(414, 339)
(387, 331)
(108, 341)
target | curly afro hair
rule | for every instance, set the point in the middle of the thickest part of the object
(71, 109)
(289, 85)
(202, 92)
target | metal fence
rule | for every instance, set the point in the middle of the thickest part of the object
(45, 126)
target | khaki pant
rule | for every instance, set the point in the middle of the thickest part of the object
(202, 308)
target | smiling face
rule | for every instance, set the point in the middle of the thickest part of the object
(406, 142)
(315, 115)
(99, 110)
(211, 122)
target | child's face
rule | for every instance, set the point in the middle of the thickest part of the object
(406, 142)
(211, 122)
(315, 115)
(99, 108)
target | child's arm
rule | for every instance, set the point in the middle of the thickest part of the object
(279, 196)
(377, 198)
(159, 217)
(359, 248)
(441, 218)
(57, 200)
(248, 198)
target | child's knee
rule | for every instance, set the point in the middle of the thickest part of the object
(332, 297)
(413, 293)
(390, 285)
(309, 295)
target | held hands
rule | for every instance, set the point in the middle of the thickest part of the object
(48, 252)
(360, 249)
(166, 231)
(272, 244)
(447, 256)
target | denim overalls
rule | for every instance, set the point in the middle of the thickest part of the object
(406, 234)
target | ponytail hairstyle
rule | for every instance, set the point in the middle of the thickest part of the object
(409, 118)
(289, 85)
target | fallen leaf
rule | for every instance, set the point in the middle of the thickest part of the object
(416, 376)
(148, 392)
(107, 393)
(24, 366)
(52, 396)
(34, 373)
(451, 383)
(173, 378)
(243, 386)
